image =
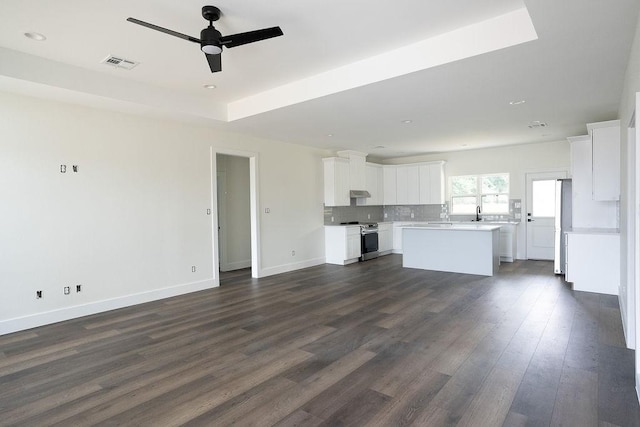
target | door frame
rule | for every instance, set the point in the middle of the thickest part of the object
(256, 267)
(559, 173)
(632, 223)
(636, 238)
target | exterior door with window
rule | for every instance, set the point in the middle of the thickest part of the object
(541, 212)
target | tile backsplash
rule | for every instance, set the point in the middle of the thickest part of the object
(336, 215)
(413, 212)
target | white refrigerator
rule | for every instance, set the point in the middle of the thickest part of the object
(562, 223)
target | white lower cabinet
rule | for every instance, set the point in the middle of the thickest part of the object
(397, 237)
(385, 238)
(353, 243)
(508, 242)
(593, 261)
(342, 244)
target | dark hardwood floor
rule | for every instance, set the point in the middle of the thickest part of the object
(366, 344)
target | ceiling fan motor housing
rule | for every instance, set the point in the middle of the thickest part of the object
(210, 37)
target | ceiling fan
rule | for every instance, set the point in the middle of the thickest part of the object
(211, 40)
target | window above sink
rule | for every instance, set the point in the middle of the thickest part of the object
(489, 191)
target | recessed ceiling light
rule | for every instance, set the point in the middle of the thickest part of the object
(209, 86)
(519, 102)
(406, 122)
(330, 135)
(35, 36)
(464, 145)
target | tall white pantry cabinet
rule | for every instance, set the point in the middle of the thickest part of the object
(593, 244)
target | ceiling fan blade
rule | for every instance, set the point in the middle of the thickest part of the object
(215, 62)
(250, 37)
(164, 30)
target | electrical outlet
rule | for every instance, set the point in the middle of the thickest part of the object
(293, 253)
(208, 211)
(67, 290)
(193, 268)
(78, 288)
(38, 294)
(386, 215)
(368, 216)
(412, 215)
(63, 168)
(267, 210)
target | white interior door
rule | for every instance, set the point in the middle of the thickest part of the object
(540, 215)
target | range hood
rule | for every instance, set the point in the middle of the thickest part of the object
(357, 194)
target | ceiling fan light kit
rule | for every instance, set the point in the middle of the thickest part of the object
(211, 40)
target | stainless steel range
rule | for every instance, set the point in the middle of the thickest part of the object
(368, 240)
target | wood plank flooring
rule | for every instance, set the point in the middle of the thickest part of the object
(367, 344)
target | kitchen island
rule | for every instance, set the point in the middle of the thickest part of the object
(457, 248)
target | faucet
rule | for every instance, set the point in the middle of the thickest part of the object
(478, 212)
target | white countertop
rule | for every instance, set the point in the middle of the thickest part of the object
(505, 221)
(453, 226)
(594, 230)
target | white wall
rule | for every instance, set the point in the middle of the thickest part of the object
(236, 236)
(628, 295)
(132, 222)
(517, 160)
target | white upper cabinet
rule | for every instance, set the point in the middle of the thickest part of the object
(357, 169)
(389, 180)
(605, 139)
(408, 185)
(437, 183)
(425, 184)
(336, 181)
(374, 185)
(411, 184)
(586, 212)
(431, 183)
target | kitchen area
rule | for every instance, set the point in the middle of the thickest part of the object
(397, 209)
(414, 209)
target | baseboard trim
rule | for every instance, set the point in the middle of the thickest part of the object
(40, 319)
(623, 314)
(285, 268)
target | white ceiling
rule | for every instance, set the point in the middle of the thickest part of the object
(353, 69)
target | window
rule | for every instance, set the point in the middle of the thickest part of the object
(490, 192)
(543, 193)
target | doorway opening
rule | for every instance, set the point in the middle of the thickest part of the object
(541, 213)
(235, 220)
(234, 212)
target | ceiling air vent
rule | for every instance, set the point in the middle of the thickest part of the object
(118, 62)
(537, 124)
